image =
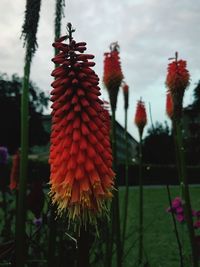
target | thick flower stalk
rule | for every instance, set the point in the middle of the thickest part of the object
(125, 89)
(140, 116)
(177, 81)
(169, 105)
(140, 121)
(112, 79)
(29, 30)
(80, 154)
(112, 76)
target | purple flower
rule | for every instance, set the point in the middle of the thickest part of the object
(179, 210)
(180, 218)
(3, 155)
(177, 202)
(37, 221)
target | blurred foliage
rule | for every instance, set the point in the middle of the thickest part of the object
(10, 98)
(192, 131)
(196, 95)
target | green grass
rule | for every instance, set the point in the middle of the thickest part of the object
(159, 239)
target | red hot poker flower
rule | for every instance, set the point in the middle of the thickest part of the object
(177, 81)
(177, 76)
(112, 76)
(169, 105)
(140, 116)
(80, 153)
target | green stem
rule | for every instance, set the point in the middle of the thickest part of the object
(57, 25)
(109, 239)
(176, 151)
(186, 193)
(21, 208)
(115, 232)
(126, 184)
(52, 238)
(175, 229)
(7, 226)
(5, 206)
(140, 252)
(83, 248)
(116, 217)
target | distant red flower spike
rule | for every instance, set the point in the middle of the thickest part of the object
(112, 76)
(140, 116)
(14, 176)
(169, 105)
(81, 175)
(125, 88)
(177, 76)
(177, 81)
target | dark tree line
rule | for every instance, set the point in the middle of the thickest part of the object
(158, 145)
(10, 98)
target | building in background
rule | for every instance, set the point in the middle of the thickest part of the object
(191, 131)
(121, 145)
(191, 122)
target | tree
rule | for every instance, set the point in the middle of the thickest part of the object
(196, 94)
(158, 145)
(10, 99)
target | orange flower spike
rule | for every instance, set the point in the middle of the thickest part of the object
(14, 175)
(140, 116)
(177, 81)
(169, 105)
(79, 138)
(112, 76)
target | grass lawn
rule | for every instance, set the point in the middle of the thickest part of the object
(159, 239)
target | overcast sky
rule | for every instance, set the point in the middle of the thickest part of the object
(148, 32)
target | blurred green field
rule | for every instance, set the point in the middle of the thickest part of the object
(159, 238)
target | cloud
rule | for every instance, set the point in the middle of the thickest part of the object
(148, 31)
